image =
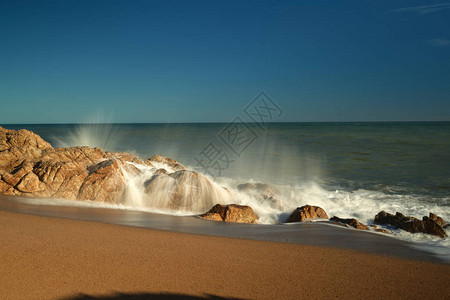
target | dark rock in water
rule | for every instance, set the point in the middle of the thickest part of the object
(437, 219)
(411, 224)
(351, 222)
(231, 213)
(384, 218)
(433, 227)
(307, 212)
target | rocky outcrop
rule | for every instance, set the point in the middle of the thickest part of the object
(30, 166)
(231, 213)
(307, 212)
(430, 225)
(350, 222)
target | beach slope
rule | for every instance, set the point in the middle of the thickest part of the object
(49, 258)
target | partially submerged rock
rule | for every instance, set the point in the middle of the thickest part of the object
(430, 225)
(231, 213)
(307, 212)
(350, 222)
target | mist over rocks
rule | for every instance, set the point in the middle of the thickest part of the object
(265, 189)
(30, 166)
(183, 189)
(264, 192)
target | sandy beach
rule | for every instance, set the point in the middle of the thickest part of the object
(50, 258)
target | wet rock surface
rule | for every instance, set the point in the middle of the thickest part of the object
(307, 212)
(231, 213)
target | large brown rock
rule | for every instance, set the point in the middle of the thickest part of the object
(350, 222)
(30, 166)
(427, 225)
(307, 212)
(231, 213)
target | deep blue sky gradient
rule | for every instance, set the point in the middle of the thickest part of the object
(203, 61)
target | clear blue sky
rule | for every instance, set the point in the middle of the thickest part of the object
(203, 61)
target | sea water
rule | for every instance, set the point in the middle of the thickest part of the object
(348, 169)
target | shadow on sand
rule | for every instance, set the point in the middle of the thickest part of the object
(139, 296)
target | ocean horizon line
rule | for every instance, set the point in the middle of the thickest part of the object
(252, 123)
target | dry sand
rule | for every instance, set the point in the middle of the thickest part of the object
(48, 258)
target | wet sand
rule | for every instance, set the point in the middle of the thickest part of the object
(48, 258)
